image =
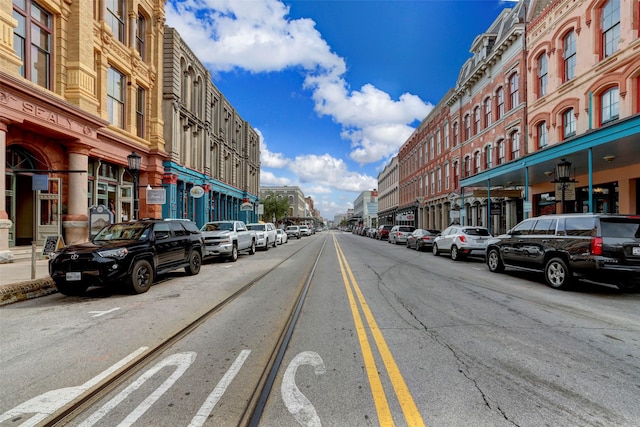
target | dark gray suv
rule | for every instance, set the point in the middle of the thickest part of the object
(603, 248)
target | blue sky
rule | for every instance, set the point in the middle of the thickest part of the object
(333, 87)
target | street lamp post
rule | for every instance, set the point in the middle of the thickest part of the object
(134, 167)
(563, 173)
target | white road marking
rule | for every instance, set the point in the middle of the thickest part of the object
(47, 403)
(102, 313)
(205, 410)
(182, 361)
(294, 400)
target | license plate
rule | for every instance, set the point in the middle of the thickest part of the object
(74, 275)
(635, 250)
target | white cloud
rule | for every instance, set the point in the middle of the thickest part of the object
(269, 178)
(269, 159)
(259, 37)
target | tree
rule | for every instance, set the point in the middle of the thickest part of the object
(275, 207)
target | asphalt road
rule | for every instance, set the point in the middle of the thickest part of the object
(385, 335)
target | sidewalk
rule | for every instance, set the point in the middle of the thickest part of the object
(17, 284)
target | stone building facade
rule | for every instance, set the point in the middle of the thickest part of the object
(388, 193)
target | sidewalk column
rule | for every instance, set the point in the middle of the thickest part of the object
(76, 221)
(5, 223)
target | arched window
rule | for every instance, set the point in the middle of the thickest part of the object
(456, 175)
(515, 145)
(476, 120)
(610, 105)
(610, 27)
(499, 103)
(501, 152)
(542, 134)
(476, 162)
(569, 56)
(467, 127)
(487, 157)
(514, 86)
(467, 166)
(568, 123)
(455, 134)
(487, 112)
(543, 77)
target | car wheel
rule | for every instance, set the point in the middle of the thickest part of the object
(141, 277)
(71, 291)
(494, 262)
(434, 250)
(252, 248)
(234, 253)
(275, 243)
(195, 262)
(557, 274)
(454, 253)
(418, 247)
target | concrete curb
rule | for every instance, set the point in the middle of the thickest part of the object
(23, 291)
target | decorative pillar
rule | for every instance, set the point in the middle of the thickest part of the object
(76, 220)
(5, 223)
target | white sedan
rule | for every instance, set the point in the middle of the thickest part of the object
(281, 236)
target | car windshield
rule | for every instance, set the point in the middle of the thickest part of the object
(258, 227)
(217, 226)
(476, 231)
(121, 232)
(406, 229)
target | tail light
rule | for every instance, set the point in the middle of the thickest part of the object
(596, 246)
(462, 238)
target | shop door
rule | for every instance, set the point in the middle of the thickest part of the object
(48, 220)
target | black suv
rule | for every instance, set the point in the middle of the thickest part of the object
(129, 252)
(600, 247)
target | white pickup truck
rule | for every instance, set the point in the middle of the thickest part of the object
(228, 238)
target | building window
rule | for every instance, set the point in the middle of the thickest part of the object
(32, 41)
(569, 56)
(513, 90)
(116, 18)
(487, 157)
(501, 152)
(455, 134)
(115, 97)
(439, 175)
(487, 112)
(141, 35)
(426, 184)
(542, 135)
(140, 102)
(456, 176)
(610, 105)
(476, 163)
(467, 127)
(438, 142)
(446, 136)
(499, 103)
(447, 177)
(543, 77)
(476, 120)
(610, 27)
(515, 145)
(467, 166)
(568, 123)
(433, 183)
(431, 148)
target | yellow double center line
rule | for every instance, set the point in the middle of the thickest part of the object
(409, 408)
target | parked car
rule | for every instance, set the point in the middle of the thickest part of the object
(131, 252)
(293, 231)
(399, 233)
(383, 232)
(600, 247)
(304, 230)
(461, 240)
(281, 236)
(421, 238)
(228, 238)
(265, 234)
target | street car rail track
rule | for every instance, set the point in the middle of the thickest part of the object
(256, 404)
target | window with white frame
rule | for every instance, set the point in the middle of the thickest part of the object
(476, 120)
(499, 103)
(569, 56)
(446, 136)
(487, 112)
(426, 184)
(447, 176)
(610, 27)
(543, 76)
(439, 176)
(467, 127)
(568, 123)
(542, 134)
(487, 157)
(431, 147)
(502, 155)
(455, 134)
(433, 182)
(438, 142)
(116, 85)
(610, 104)
(514, 86)
(476, 162)
(515, 145)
